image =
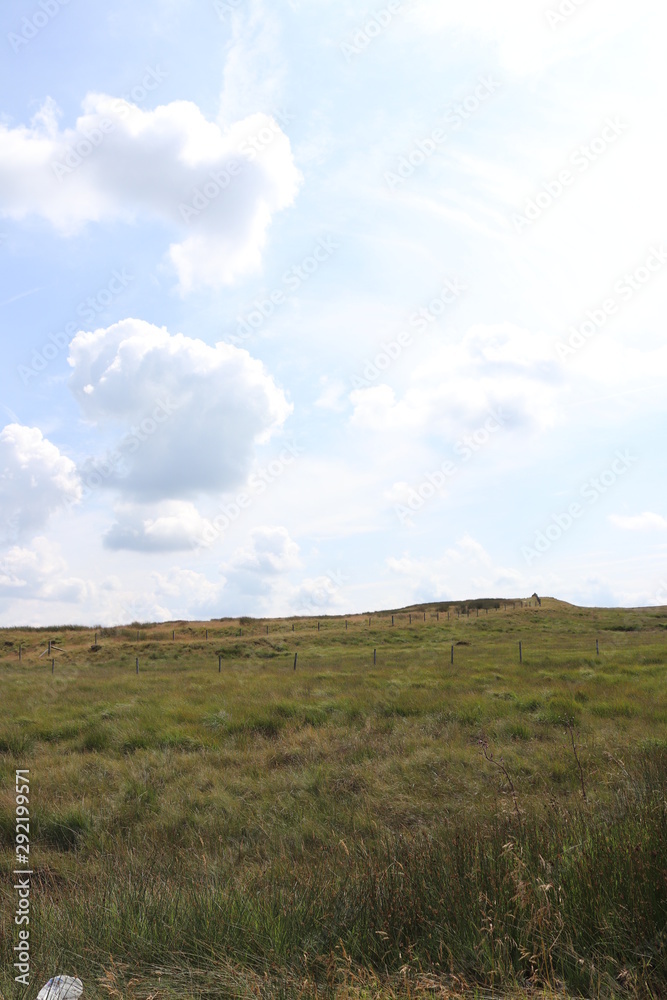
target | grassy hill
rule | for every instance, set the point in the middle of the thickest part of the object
(412, 810)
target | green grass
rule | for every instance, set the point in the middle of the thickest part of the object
(336, 830)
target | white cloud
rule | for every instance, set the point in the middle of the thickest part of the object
(177, 593)
(254, 74)
(38, 572)
(171, 526)
(639, 522)
(464, 570)
(217, 188)
(332, 394)
(318, 594)
(193, 412)
(185, 590)
(259, 569)
(527, 40)
(493, 369)
(271, 552)
(605, 360)
(400, 492)
(36, 479)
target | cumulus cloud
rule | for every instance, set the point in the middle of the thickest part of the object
(261, 570)
(172, 526)
(217, 188)
(176, 593)
(647, 521)
(462, 570)
(318, 594)
(192, 412)
(39, 572)
(35, 480)
(186, 592)
(493, 369)
(258, 569)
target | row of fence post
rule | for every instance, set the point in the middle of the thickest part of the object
(375, 652)
(50, 644)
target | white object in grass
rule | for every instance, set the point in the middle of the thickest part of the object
(61, 988)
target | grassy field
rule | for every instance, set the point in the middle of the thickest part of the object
(223, 824)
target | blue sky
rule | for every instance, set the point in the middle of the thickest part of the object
(313, 307)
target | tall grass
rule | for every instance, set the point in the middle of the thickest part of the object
(576, 902)
(335, 831)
